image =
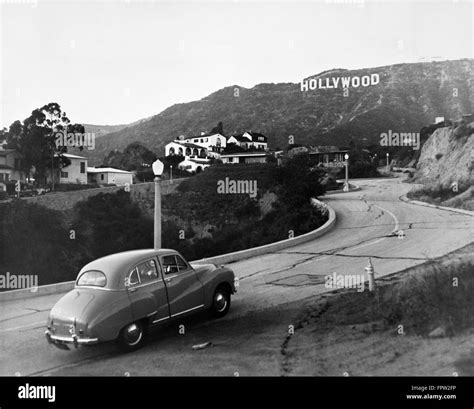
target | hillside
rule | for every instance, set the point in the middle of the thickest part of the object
(100, 130)
(445, 168)
(407, 97)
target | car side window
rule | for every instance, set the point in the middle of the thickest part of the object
(132, 278)
(169, 265)
(147, 271)
(182, 265)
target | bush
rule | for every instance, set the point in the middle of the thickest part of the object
(35, 241)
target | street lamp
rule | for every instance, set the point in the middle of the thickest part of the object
(158, 171)
(387, 161)
(346, 157)
(171, 174)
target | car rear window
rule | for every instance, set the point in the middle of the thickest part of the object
(92, 278)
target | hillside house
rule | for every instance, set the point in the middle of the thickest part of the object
(244, 157)
(249, 140)
(75, 172)
(105, 176)
(10, 163)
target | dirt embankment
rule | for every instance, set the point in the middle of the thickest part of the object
(419, 322)
(445, 168)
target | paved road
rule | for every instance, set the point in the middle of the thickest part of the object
(365, 222)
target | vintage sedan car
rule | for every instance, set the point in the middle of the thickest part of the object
(120, 296)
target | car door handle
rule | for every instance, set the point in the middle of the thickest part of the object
(132, 289)
(168, 280)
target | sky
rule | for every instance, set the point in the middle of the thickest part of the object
(115, 62)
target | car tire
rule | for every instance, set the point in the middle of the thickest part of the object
(220, 302)
(132, 336)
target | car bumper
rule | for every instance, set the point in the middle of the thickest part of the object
(62, 341)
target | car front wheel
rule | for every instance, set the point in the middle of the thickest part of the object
(132, 336)
(220, 302)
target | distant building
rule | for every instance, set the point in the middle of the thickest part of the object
(194, 165)
(212, 142)
(249, 140)
(244, 157)
(10, 167)
(181, 148)
(204, 145)
(327, 156)
(439, 119)
(75, 172)
(105, 176)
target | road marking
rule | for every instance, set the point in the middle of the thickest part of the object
(391, 214)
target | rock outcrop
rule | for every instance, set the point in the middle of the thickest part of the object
(447, 156)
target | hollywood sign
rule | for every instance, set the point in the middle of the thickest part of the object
(345, 82)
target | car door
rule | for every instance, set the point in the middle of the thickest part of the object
(185, 291)
(147, 292)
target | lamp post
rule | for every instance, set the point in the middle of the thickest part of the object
(387, 161)
(171, 174)
(346, 157)
(158, 171)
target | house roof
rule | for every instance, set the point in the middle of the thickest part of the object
(188, 144)
(240, 138)
(206, 135)
(256, 135)
(227, 155)
(70, 156)
(106, 170)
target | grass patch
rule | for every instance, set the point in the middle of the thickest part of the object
(441, 297)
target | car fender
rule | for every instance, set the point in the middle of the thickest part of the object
(212, 278)
(112, 312)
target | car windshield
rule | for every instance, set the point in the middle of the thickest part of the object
(92, 278)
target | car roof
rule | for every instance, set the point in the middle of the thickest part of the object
(116, 266)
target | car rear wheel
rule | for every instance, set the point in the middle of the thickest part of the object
(132, 336)
(220, 302)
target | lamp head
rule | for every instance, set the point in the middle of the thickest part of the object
(346, 156)
(158, 167)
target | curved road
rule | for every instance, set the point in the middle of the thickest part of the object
(268, 284)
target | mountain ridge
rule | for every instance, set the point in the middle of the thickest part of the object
(407, 97)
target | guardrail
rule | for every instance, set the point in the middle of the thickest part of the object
(272, 247)
(222, 259)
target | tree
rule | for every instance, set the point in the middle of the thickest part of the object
(219, 128)
(135, 157)
(36, 140)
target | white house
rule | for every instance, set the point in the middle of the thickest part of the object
(185, 149)
(249, 140)
(103, 176)
(75, 172)
(194, 165)
(212, 142)
(204, 145)
(244, 157)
